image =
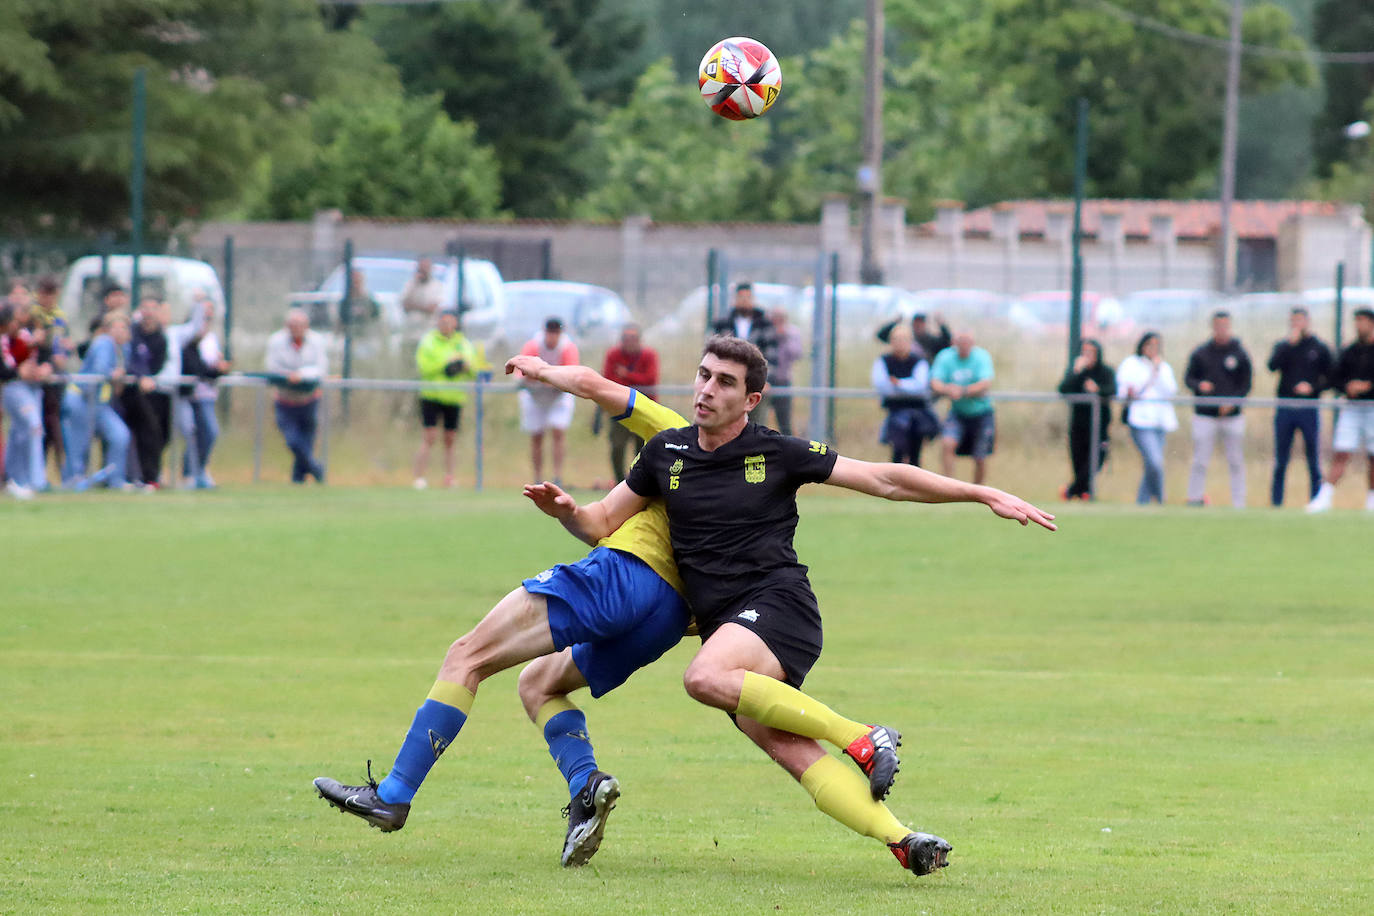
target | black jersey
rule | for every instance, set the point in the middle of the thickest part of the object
(732, 512)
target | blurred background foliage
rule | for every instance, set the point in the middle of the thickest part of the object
(588, 108)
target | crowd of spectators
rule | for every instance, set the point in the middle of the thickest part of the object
(139, 357)
(157, 378)
(908, 377)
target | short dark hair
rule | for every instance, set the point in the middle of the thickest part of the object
(1365, 313)
(739, 350)
(553, 324)
(741, 287)
(48, 284)
(1220, 313)
(1144, 339)
(1297, 310)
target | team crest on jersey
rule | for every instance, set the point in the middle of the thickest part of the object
(753, 469)
(676, 468)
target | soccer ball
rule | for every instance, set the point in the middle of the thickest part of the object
(739, 78)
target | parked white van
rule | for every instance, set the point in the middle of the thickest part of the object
(178, 281)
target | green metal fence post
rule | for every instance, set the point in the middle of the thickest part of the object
(226, 402)
(136, 169)
(834, 323)
(346, 316)
(1340, 302)
(1080, 173)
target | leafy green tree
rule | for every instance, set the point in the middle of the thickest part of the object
(385, 156)
(494, 64)
(1342, 25)
(790, 28)
(226, 80)
(950, 130)
(1156, 100)
(602, 41)
(666, 155)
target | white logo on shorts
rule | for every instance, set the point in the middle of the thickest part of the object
(750, 615)
(544, 576)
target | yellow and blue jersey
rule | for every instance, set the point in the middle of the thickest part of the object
(645, 534)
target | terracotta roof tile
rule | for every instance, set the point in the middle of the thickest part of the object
(1193, 219)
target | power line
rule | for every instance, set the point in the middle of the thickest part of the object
(1211, 41)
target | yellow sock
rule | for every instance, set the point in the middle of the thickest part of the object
(451, 694)
(777, 705)
(550, 709)
(843, 794)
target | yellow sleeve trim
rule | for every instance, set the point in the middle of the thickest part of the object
(648, 418)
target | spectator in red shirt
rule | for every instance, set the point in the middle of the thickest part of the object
(636, 366)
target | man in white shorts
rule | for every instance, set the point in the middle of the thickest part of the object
(1354, 378)
(543, 407)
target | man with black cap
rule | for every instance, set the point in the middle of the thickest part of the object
(1353, 377)
(543, 407)
(1303, 363)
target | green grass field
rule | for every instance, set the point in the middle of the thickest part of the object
(1148, 712)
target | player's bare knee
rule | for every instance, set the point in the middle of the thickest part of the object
(533, 686)
(704, 684)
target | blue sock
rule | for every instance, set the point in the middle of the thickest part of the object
(434, 728)
(570, 748)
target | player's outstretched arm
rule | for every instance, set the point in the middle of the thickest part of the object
(592, 522)
(906, 483)
(582, 381)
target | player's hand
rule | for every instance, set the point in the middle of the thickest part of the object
(1357, 387)
(1205, 387)
(1302, 388)
(1017, 509)
(551, 500)
(528, 366)
(1090, 386)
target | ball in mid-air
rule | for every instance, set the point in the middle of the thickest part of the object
(739, 78)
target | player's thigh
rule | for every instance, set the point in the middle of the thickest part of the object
(515, 630)
(732, 647)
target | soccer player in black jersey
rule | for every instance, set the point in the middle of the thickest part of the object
(730, 490)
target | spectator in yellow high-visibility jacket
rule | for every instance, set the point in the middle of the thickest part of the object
(444, 355)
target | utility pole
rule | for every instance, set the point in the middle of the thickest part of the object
(871, 171)
(1226, 255)
(136, 169)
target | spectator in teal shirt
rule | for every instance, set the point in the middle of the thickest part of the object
(963, 373)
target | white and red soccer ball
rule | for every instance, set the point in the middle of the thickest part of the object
(739, 78)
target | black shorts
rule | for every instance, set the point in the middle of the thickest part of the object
(785, 616)
(431, 411)
(974, 437)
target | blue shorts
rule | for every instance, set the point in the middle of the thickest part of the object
(614, 610)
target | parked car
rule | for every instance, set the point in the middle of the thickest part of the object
(176, 280)
(385, 277)
(1047, 313)
(690, 315)
(591, 314)
(860, 309)
(974, 308)
(1154, 308)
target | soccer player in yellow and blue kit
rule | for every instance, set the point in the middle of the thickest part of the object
(611, 613)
